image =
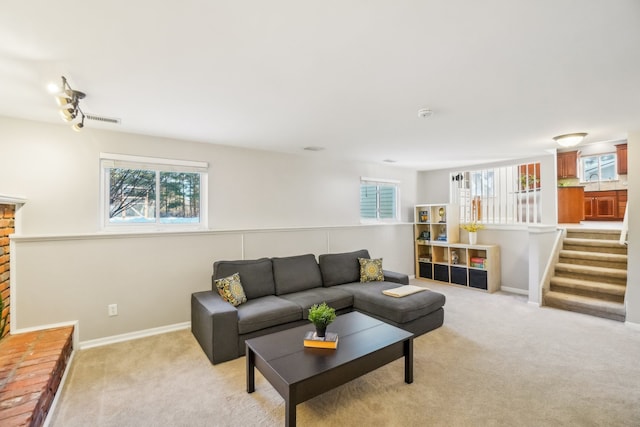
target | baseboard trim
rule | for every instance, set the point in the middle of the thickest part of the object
(99, 342)
(514, 290)
(632, 325)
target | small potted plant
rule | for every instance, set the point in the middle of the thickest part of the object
(528, 181)
(321, 315)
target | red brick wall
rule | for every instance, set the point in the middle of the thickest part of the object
(7, 220)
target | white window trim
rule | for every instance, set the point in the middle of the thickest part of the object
(396, 217)
(108, 160)
(582, 177)
(155, 161)
(379, 180)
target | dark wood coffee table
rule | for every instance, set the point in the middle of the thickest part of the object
(299, 373)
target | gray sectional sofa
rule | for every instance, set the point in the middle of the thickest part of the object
(280, 292)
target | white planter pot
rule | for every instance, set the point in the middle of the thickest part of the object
(473, 237)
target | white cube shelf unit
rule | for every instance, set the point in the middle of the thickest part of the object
(439, 256)
(438, 222)
(474, 266)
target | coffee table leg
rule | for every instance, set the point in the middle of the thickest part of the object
(408, 361)
(251, 363)
(290, 413)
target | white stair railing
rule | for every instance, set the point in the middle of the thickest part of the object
(625, 226)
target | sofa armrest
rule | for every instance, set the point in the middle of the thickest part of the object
(214, 323)
(392, 276)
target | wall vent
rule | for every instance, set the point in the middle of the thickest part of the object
(102, 119)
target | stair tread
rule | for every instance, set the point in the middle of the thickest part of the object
(590, 269)
(569, 253)
(593, 242)
(587, 302)
(592, 285)
(592, 230)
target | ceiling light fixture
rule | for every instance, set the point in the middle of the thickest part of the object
(570, 139)
(78, 126)
(53, 88)
(69, 102)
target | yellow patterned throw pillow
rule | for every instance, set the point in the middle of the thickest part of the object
(371, 270)
(230, 289)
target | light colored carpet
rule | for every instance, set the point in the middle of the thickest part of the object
(497, 361)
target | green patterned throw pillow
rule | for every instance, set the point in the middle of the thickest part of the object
(230, 289)
(371, 270)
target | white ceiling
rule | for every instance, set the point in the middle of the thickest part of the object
(501, 76)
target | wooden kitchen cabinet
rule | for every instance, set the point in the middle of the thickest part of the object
(621, 152)
(622, 203)
(571, 203)
(601, 205)
(567, 164)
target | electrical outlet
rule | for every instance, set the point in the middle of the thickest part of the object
(113, 309)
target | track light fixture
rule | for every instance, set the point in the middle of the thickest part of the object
(78, 126)
(69, 102)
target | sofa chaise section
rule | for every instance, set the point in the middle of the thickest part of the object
(419, 313)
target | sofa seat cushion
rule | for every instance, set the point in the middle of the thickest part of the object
(338, 269)
(265, 312)
(256, 275)
(368, 297)
(296, 273)
(336, 298)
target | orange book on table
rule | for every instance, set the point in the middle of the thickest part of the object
(330, 340)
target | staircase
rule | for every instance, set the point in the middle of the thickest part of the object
(591, 274)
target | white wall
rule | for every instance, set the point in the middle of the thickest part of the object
(260, 204)
(632, 298)
(433, 187)
(57, 171)
(151, 277)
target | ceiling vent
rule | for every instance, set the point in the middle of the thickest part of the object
(102, 119)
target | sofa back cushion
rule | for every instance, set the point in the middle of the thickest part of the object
(256, 275)
(338, 269)
(296, 273)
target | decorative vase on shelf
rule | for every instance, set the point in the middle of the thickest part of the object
(473, 237)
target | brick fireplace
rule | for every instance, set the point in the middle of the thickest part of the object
(32, 363)
(7, 227)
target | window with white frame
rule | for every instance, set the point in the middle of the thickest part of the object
(602, 167)
(150, 192)
(378, 200)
